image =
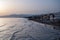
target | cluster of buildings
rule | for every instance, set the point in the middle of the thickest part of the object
(47, 18)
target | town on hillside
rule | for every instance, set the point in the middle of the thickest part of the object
(51, 18)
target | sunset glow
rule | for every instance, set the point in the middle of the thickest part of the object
(3, 7)
(28, 6)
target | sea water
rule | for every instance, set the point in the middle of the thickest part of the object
(24, 29)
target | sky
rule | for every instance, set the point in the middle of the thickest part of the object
(28, 6)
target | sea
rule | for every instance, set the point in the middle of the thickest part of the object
(24, 29)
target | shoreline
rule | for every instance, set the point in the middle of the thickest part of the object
(50, 23)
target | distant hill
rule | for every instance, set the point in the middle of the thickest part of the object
(27, 15)
(17, 15)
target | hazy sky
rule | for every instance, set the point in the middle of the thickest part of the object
(28, 6)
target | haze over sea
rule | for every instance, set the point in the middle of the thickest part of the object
(14, 24)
